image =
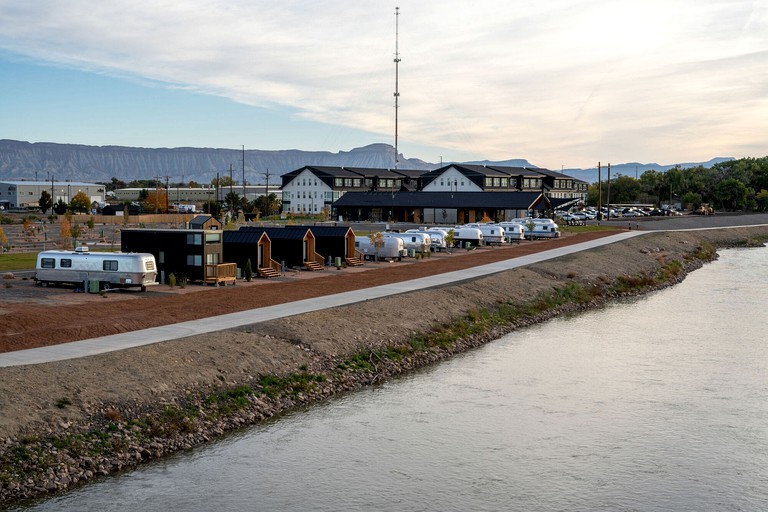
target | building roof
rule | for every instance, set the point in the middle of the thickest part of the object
(40, 183)
(243, 236)
(329, 231)
(499, 200)
(286, 233)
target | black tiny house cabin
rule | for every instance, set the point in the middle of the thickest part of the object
(334, 242)
(291, 245)
(194, 254)
(254, 244)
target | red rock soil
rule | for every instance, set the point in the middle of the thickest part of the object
(33, 316)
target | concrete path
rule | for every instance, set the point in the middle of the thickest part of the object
(114, 342)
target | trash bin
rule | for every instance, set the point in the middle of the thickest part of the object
(93, 286)
(412, 253)
(338, 262)
(467, 245)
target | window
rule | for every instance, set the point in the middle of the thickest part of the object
(194, 260)
(150, 264)
(110, 265)
(66, 263)
(161, 257)
(48, 263)
(194, 239)
(338, 182)
(212, 238)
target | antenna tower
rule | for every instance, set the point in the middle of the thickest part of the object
(397, 76)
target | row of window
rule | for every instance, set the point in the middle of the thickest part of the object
(110, 265)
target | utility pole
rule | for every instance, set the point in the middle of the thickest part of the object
(266, 194)
(243, 171)
(397, 77)
(167, 199)
(608, 200)
(599, 192)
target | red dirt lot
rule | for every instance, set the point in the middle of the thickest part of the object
(33, 316)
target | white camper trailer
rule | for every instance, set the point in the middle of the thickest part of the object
(543, 230)
(96, 271)
(492, 233)
(418, 242)
(463, 236)
(513, 231)
(391, 248)
(437, 237)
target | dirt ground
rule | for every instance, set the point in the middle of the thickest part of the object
(32, 317)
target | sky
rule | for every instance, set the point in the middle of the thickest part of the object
(561, 83)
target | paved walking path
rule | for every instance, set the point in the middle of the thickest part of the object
(122, 341)
(126, 340)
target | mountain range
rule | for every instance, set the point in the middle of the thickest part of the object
(20, 160)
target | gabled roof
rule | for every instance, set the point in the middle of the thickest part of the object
(244, 236)
(329, 231)
(286, 233)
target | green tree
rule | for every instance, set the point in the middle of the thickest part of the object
(80, 203)
(76, 231)
(248, 270)
(691, 200)
(731, 194)
(60, 208)
(46, 201)
(232, 201)
(761, 200)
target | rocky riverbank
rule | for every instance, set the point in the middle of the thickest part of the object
(109, 413)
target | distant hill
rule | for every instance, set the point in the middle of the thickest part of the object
(36, 161)
(21, 160)
(634, 169)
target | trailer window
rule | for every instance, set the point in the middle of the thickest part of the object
(47, 263)
(150, 265)
(110, 265)
(66, 263)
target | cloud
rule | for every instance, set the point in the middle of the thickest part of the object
(559, 82)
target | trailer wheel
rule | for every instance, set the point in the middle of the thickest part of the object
(143, 288)
(104, 286)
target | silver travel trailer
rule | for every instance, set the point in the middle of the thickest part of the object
(391, 249)
(543, 230)
(463, 236)
(513, 231)
(437, 237)
(96, 271)
(492, 233)
(418, 242)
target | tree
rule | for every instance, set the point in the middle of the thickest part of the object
(377, 240)
(46, 201)
(156, 201)
(65, 232)
(761, 200)
(223, 181)
(691, 200)
(60, 208)
(248, 270)
(76, 231)
(115, 184)
(731, 193)
(3, 240)
(80, 203)
(232, 201)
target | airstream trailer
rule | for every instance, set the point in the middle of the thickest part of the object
(107, 269)
(391, 249)
(463, 236)
(418, 242)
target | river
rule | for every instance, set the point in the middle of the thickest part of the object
(655, 404)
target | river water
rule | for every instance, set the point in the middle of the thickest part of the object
(655, 404)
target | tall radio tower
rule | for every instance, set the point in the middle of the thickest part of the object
(397, 77)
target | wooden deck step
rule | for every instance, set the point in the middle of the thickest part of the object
(268, 272)
(313, 266)
(354, 262)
